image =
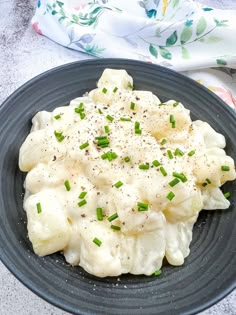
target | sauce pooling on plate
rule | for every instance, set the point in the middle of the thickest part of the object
(116, 180)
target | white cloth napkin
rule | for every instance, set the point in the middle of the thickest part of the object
(179, 34)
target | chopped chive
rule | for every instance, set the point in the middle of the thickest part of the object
(156, 163)
(67, 185)
(97, 242)
(82, 194)
(109, 155)
(163, 141)
(137, 125)
(170, 195)
(132, 105)
(227, 194)
(157, 273)
(208, 181)
(104, 90)
(100, 111)
(173, 124)
(115, 227)
(179, 152)
(118, 184)
(175, 104)
(115, 89)
(181, 176)
(59, 136)
(84, 145)
(101, 138)
(125, 119)
(109, 117)
(142, 206)
(39, 208)
(138, 131)
(172, 119)
(79, 110)
(225, 168)
(170, 155)
(82, 203)
(82, 116)
(204, 184)
(126, 159)
(163, 171)
(144, 166)
(107, 129)
(174, 182)
(161, 104)
(112, 217)
(130, 86)
(99, 214)
(57, 117)
(191, 153)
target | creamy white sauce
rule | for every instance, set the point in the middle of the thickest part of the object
(145, 237)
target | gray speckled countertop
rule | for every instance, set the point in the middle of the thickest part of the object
(23, 55)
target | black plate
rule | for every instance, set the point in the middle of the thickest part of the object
(209, 272)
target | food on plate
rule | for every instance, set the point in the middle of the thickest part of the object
(116, 180)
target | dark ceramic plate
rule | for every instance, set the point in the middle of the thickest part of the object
(209, 272)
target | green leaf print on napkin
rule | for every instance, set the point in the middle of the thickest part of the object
(201, 26)
(153, 50)
(165, 53)
(172, 39)
(186, 34)
(221, 62)
(185, 53)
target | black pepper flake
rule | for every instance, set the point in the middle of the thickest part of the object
(137, 98)
(83, 215)
(54, 158)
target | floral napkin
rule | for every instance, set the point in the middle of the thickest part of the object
(179, 34)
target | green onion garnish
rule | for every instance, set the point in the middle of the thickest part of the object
(130, 86)
(84, 145)
(208, 181)
(99, 214)
(118, 184)
(170, 155)
(138, 131)
(82, 203)
(115, 89)
(156, 163)
(109, 156)
(163, 141)
(142, 206)
(173, 124)
(39, 208)
(137, 125)
(181, 176)
(104, 90)
(100, 111)
(170, 195)
(82, 194)
(67, 185)
(179, 152)
(174, 182)
(97, 242)
(125, 119)
(107, 129)
(57, 117)
(191, 153)
(163, 171)
(126, 159)
(157, 273)
(109, 117)
(225, 168)
(82, 116)
(132, 105)
(172, 119)
(59, 136)
(112, 217)
(227, 194)
(175, 104)
(115, 227)
(144, 166)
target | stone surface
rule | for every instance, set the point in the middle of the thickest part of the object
(23, 55)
